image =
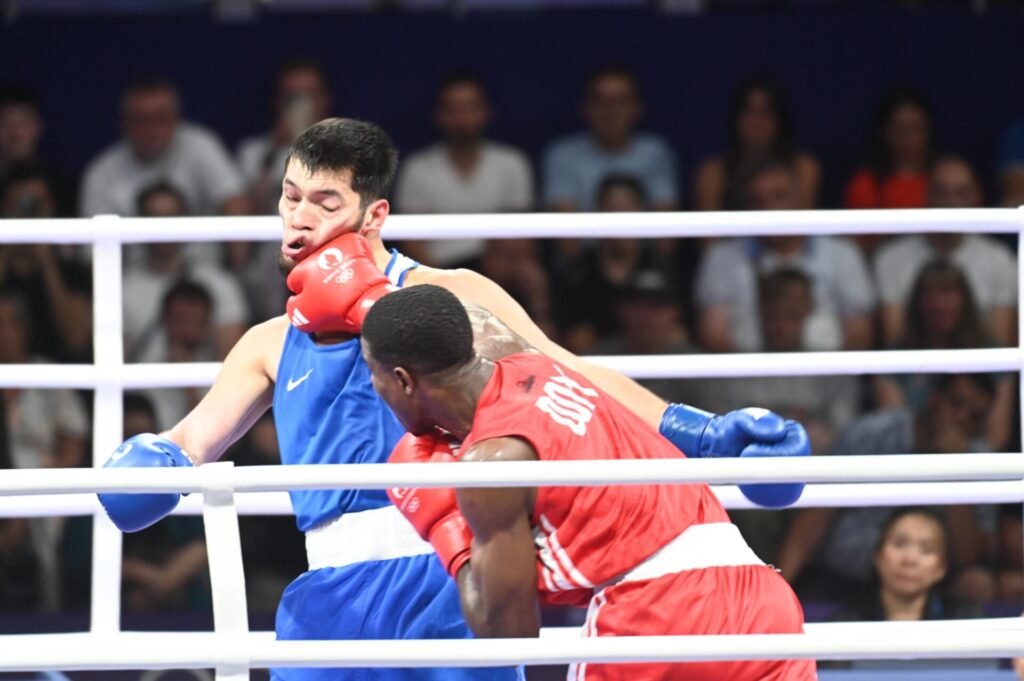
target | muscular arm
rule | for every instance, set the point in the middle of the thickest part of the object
(498, 586)
(244, 389)
(474, 288)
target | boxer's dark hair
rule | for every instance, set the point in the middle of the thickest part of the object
(423, 329)
(334, 144)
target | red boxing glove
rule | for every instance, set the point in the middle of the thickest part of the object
(433, 511)
(335, 286)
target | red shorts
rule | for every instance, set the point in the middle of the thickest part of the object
(749, 599)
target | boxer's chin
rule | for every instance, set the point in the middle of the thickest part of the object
(285, 264)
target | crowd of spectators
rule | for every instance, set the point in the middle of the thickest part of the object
(190, 303)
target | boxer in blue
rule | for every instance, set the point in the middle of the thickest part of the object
(370, 575)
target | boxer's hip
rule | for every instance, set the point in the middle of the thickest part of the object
(703, 583)
(373, 535)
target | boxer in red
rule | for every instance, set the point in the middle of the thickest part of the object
(644, 560)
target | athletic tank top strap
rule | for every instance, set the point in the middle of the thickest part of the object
(398, 267)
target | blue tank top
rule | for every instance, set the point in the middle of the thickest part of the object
(326, 411)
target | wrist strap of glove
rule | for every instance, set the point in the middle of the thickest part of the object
(451, 540)
(684, 426)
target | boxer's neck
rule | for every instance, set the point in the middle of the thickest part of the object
(455, 395)
(381, 257)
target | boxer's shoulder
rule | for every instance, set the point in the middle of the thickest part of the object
(260, 348)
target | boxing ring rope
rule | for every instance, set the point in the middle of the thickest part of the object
(232, 649)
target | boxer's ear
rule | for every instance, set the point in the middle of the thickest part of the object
(405, 380)
(373, 218)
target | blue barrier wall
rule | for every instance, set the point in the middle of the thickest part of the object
(384, 67)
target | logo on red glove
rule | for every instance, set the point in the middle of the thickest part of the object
(338, 267)
(404, 499)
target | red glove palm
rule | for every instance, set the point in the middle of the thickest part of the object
(335, 286)
(434, 512)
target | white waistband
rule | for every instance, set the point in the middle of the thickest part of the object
(699, 546)
(379, 534)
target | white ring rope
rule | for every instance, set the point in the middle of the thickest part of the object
(923, 479)
(196, 651)
(186, 375)
(828, 469)
(814, 496)
(534, 225)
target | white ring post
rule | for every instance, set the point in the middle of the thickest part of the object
(108, 350)
(227, 576)
(1020, 318)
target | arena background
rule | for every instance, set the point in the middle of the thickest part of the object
(835, 59)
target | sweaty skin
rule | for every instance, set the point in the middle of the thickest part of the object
(498, 587)
(492, 339)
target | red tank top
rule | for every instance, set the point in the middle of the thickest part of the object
(586, 536)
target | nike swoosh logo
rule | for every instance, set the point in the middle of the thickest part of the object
(294, 383)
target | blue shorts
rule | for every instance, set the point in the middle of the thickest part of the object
(401, 598)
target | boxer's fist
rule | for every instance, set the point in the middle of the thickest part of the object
(335, 286)
(433, 512)
(746, 432)
(794, 442)
(133, 512)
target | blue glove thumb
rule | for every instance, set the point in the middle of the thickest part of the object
(778, 494)
(760, 425)
(133, 512)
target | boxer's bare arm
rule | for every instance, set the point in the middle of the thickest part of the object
(475, 288)
(242, 392)
(492, 339)
(498, 586)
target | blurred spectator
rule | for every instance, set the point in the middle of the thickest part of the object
(651, 322)
(55, 289)
(272, 550)
(19, 569)
(826, 405)
(1010, 556)
(514, 264)
(901, 149)
(164, 566)
(464, 172)
(990, 266)
(1011, 165)
(184, 334)
(760, 128)
(589, 275)
(164, 265)
(575, 165)
(21, 129)
(953, 418)
(910, 562)
(302, 97)
(727, 297)
(942, 314)
(157, 146)
(44, 429)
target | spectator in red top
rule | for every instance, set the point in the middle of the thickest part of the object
(902, 147)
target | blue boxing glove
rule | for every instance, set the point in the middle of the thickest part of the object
(746, 432)
(793, 443)
(134, 512)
